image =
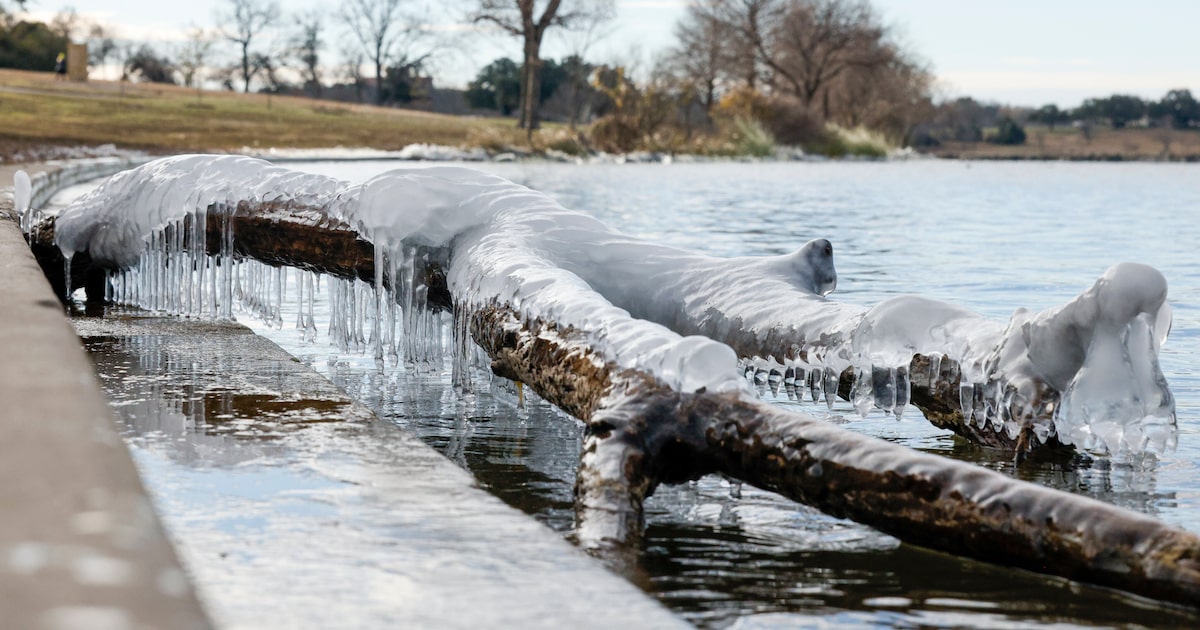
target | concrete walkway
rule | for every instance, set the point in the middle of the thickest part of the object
(80, 545)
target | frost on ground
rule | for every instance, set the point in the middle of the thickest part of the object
(1086, 372)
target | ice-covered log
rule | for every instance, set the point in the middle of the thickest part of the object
(1086, 373)
(523, 273)
(276, 235)
(641, 433)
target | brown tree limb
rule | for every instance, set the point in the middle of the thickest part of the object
(641, 433)
(279, 234)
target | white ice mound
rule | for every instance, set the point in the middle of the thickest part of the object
(114, 222)
(494, 230)
(1101, 351)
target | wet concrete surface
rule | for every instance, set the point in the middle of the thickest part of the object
(293, 506)
(80, 546)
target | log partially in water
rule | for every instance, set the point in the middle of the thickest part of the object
(641, 433)
(300, 237)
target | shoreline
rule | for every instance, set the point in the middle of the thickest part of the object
(424, 152)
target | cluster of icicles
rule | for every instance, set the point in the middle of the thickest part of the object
(645, 306)
(174, 276)
(874, 387)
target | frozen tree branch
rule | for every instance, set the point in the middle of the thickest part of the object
(526, 281)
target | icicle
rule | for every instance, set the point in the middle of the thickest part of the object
(789, 382)
(966, 398)
(389, 337)
(862, 394)
(883, 386)
(227, 263)
(199, 259)
(903, 390)
(832, 379)
(310, 326)
(980, 406)
(377, 344)
(816, 382)
(300, 301)
(67, 276)
(774, 380)
(276, 309)
(460, 366)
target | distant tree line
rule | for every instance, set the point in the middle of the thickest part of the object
(740, 76)
(763, 71)
(29, 46)
(968, 120)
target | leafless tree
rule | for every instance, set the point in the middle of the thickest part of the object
(807, 44)
(589, 30)
(702, 57)
(523, 19)
(101, 46)
(192, 55)
(351, 69)
(65, 23)
(892, 98)
(242, 23)
(387, 36)
(308, 42)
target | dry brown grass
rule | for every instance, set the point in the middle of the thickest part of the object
(34, 108)
(1067, 143)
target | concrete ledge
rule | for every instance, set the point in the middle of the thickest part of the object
(80, 545)
(296, 507)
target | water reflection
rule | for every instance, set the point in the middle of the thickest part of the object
(292, 507)
(215, 417)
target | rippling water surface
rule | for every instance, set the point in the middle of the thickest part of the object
(990, 236)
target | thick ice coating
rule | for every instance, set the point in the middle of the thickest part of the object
(1086, 371)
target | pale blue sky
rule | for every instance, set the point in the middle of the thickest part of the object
(1025, 52)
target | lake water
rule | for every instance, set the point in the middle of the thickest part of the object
(989, 236)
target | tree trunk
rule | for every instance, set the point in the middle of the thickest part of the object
(531, 85)
(379, 82)
(641, 433)
(246, 68)
(305, 238)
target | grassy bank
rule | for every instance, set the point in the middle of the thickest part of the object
(36, 109)
(1072, 143)
(37, 112)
